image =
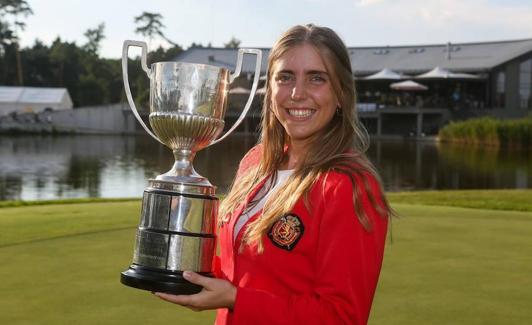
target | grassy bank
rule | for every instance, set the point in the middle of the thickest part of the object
(489, 131)
(447, 265)
(516, 200)
(19, 203)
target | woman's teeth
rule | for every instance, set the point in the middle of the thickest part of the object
(300, 112)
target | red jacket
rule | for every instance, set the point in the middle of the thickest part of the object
(319, 268)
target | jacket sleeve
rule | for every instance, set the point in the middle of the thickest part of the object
(348, 262)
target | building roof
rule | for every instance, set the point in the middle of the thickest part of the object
(37, 95)
(462, 57)
(222, 57)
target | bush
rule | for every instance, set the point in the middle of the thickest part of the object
(490, 131)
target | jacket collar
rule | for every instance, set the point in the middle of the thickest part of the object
(238, 211)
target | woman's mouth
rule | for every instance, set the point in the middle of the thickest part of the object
(300, 112)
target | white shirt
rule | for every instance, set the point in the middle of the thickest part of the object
(282, 176)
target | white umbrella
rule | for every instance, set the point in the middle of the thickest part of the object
(261, 91)
(385, 74)
(464, 76)
(408, 85)
(239, 91)
(441, 73)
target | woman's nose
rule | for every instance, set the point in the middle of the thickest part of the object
(299, 91)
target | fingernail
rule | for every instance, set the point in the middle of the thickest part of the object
(186, 275)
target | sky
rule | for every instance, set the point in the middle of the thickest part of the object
(259, 23)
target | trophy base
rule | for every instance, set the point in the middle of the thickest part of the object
(159, 281)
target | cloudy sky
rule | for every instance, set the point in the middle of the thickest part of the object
(258, 23)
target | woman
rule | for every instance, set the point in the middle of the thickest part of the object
(303, 227)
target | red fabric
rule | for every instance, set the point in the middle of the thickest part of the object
(329, 277)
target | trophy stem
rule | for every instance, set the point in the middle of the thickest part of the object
(183, 162)
(183, 171)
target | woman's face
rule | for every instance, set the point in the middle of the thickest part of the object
(303, 99)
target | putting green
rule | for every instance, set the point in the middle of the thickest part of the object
(446, 265)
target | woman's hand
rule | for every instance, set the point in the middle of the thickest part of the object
(216, 293)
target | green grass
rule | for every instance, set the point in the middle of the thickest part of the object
(451, 265)
(61, 265)
(446, 265)
(516, 200)
(19, 203)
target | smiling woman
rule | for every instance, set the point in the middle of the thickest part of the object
(303, 227)
(303, 99)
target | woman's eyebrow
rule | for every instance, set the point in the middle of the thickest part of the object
(306, 72)
(285, 71)
(317, 72)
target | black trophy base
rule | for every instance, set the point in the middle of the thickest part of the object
(159, 281)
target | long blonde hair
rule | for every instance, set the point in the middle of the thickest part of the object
(340, 147)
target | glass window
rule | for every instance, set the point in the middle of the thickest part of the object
(499, 89)
(525, 84)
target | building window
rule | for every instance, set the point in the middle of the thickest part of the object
(525, 84)
(381, 51)
(499, 89)
(416, 50)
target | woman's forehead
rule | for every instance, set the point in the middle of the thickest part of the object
(304, 57)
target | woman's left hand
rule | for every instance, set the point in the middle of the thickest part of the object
(216, 293)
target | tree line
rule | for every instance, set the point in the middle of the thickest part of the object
(89, 78)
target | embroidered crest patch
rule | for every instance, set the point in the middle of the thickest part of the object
(286, 232)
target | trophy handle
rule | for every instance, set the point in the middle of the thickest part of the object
(232, 77)
(125, 50)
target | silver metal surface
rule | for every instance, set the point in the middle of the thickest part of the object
(155, 211)
(193, 215)
(151, 249)
(191, 253)
(184, 188)
(187, 108)
(193, 89)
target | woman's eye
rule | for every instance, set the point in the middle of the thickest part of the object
(317, 78)
(283, 78)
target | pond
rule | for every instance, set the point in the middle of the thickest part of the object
(77, 166)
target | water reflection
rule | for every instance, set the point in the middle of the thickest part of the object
(409, 165)
(49, 167)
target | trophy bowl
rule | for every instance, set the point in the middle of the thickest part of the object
(176, 232)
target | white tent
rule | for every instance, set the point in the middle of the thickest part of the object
(408, 85)
(385, 74)
(33, 99)
(441, 73)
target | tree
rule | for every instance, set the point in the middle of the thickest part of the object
(94, 38)
(14, 9)
(152, 26)
(149, 24)
(233, 43)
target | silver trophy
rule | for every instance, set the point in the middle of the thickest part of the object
(179, 208)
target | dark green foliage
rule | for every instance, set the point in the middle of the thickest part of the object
(489, 131)
(89, 78)
(233, 43)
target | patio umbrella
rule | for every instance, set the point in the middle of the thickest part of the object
(261, 91)
(385, 74)
(408, 85)
(239, 91)
(441, 73)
